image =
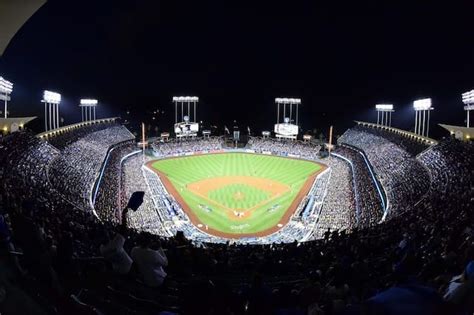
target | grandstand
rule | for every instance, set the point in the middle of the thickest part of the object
(377, 184)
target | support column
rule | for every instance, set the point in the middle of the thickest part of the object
(45, 117)
(297, 114)
(6, 107)
(195, 104)
(416, 121)
(468, 118)
(278, 113)
(284, 111)
(57, 115)
(291, 111)
(428, 125)
(390, 120)
(386, 118)
(189, 111)
(378, 117)
(53, 109)
(424, 117)
(182, 106)
(49, 115)
(94, 113)
(175, 112)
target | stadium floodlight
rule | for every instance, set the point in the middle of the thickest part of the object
(191, 103)
(89, 102)
(384, 114)
(422, 104)
(51, 97)
(6, 87)
(185, 99)
(468, 100)
(468, 97)
(384, 107)
(51, 102)
(88, 106)
(284, 100)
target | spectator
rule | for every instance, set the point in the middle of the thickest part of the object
(150, 262)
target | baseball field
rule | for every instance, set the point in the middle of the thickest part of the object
(237, 195)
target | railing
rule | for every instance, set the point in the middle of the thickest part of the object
(58, 131)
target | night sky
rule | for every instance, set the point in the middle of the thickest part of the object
(237, 56)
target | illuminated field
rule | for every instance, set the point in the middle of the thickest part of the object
(237, 194)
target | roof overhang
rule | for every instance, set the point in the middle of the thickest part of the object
(13, 14)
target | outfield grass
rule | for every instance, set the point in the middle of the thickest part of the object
(260, 187)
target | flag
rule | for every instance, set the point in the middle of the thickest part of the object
(248, 129)
(226, 130)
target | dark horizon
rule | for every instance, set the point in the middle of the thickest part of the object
(237, 57)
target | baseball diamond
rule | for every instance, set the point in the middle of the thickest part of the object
(237, 195)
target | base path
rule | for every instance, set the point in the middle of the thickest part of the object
(201, 226)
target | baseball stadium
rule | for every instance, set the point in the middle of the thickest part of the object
(237, 194)
(163, 158)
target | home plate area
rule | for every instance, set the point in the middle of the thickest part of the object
(238, 195)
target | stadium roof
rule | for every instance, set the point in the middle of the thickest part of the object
(399, 131)
(6, 123)
(460, 132)
(13, 14)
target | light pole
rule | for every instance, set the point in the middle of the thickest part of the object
(422, 109)
(51, 102)
(88, 106)
(6, 88)
(384, 114)
(468, 100)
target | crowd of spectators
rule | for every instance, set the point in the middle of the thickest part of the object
(369, 201)
(403, 177)
(62, 139)
(106, 201)
(339, 209)
(76, 169)
(178, 147)
(418, 262)
(408, 143)
(307, 150)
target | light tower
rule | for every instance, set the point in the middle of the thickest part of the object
(51, 102)
(468, 100)
(88, 109)
(422, 107)
(6, 88)
(186, 125)
(384, 114)
(287, 128)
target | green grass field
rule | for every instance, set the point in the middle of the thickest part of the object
(237, 193)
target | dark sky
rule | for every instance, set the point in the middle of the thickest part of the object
(237, 56)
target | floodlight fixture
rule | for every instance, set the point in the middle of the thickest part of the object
(468, 97)
(284, 100)
(51, 97)
(185, 99)
(6, 86)
(468, 100)
(88, 102)
(386, 107)
(422, 104)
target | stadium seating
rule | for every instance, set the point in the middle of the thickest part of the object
(52, 246)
